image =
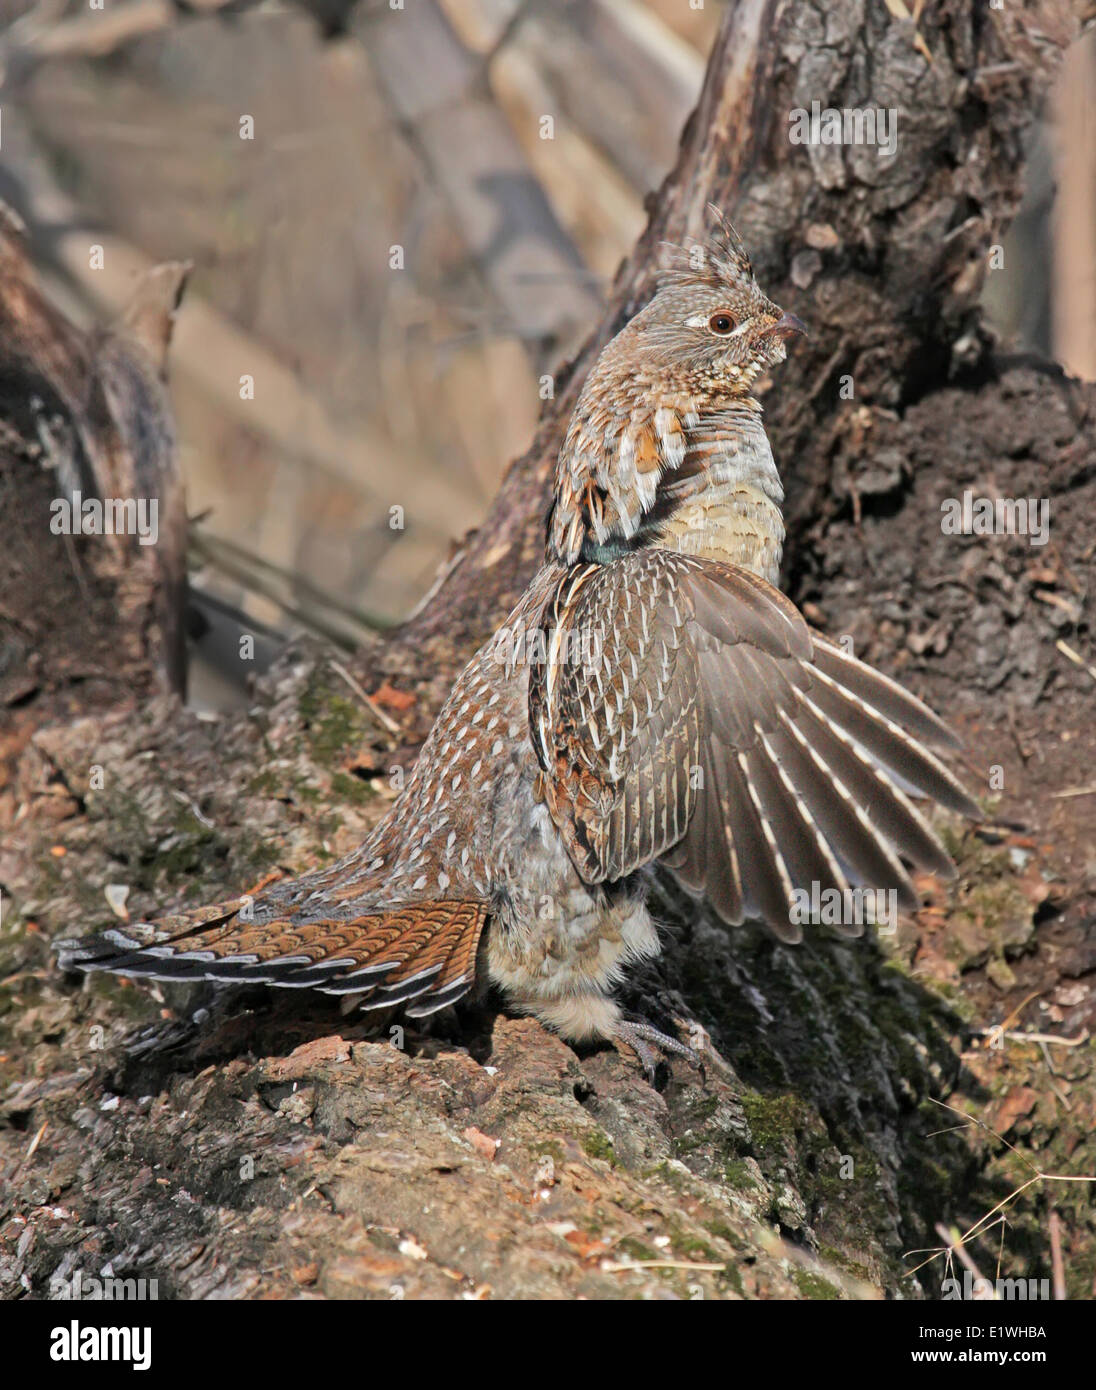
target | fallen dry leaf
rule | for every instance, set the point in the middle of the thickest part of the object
(1020, 1101)
(389, 698)
(483, 1144)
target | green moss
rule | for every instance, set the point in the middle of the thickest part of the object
(264, 784)
(737, 1174)
(636, 1250)
(550, 1148)
(813, 1286)
(721, 1231)
(671, 1176)
(734, 1278)
(188, 852)
(334, 725)
(597, 1144)
(774, 1120)
(685, 1144)
(351, 788)
(703, 1109)
(687, 1246)
(841, 1259)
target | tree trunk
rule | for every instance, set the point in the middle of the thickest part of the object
(272, 1148)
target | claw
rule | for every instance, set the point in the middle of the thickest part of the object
(646, 1042)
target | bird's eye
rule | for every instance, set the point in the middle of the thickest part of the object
(722, 324)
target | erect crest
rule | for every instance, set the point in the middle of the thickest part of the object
(720, 260)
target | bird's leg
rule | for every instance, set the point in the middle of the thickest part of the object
(645, 1040)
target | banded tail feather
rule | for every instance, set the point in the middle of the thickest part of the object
(421, 955)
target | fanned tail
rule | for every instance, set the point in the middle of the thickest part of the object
(421, 954)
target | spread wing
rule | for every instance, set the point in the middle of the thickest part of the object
(704, 724)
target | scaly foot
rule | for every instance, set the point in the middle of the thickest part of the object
(647, 1041)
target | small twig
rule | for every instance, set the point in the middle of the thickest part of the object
(1024, 753)
(979, 1227)
(996, 70)
(1075, 791)
(367, 700)
(193, 806)
(1082, 1037)
(1057, 1268)
(37, 1139)
(612, 1267)
(1075, 657)
(1012, 1017)
(956, 1248)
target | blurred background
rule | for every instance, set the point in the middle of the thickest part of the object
(400, 219)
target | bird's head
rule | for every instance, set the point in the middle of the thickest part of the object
(709, 324)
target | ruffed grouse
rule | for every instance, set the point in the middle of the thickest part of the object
(652, 700)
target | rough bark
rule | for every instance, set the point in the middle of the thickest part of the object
(882, 257)
(84, 418)
(275, 1149)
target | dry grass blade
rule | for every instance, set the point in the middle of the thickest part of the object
(984, 1223)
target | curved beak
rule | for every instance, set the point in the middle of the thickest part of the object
(787, 326)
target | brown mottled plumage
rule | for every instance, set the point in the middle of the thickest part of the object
(653, 699)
